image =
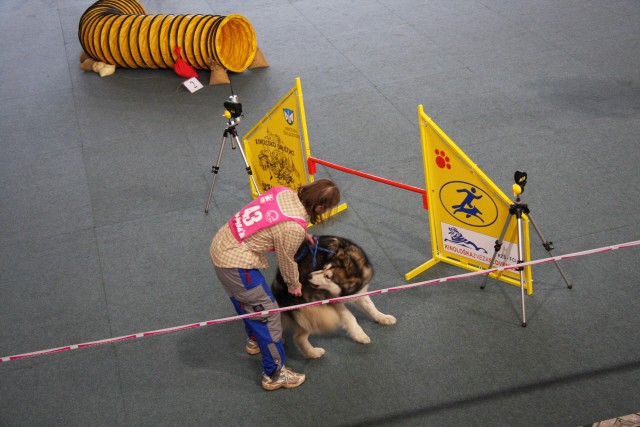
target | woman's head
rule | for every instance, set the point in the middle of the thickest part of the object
(319, 197)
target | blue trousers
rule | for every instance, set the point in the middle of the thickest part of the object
(249, 293)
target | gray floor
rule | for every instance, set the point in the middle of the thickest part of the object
(104, 181)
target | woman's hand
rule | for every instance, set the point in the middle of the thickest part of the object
(297, 291)
(309, 239)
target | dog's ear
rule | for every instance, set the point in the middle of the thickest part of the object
(332, 244)
(348, 263)
(351, 286)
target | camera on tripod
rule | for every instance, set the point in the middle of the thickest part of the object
(233, 113)
(233, 109)
(521, 180)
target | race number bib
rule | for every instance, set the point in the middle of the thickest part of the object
(261, 213)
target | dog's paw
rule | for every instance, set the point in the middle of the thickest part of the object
(314, 353)
(362, 338)
(387, 319)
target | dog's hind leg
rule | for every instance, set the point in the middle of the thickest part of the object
(351, 325)
(366, 305)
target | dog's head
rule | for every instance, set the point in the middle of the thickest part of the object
(323, 280)
(346, 273)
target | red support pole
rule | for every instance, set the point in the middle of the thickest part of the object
(311, 166)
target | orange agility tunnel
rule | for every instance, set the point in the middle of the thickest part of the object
(120, 33)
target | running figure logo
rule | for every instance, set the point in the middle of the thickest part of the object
(466, 206)
(468, 203)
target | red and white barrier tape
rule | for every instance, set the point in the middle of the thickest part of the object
(310, 304)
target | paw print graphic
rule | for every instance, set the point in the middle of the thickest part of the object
(442, 160)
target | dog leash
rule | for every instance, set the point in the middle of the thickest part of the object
(314, 250)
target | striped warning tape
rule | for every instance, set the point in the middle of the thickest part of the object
(315, 303)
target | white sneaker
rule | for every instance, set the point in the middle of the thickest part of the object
(284, 378)
(252, 347)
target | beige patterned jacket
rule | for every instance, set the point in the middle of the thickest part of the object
(285, 237)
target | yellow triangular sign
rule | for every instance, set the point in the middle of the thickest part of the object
(467, 211)
(277, 147)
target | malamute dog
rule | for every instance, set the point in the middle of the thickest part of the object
(341, 268)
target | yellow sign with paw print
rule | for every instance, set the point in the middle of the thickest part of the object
(468, 213)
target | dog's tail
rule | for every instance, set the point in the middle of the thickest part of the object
(320, 319)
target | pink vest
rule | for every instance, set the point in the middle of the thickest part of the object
(261, 213)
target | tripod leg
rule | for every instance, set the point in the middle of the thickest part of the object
(549, 247)
(214, 170)
(521, 269)
(496, 248)
(246, 164)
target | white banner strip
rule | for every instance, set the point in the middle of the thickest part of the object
(310, 304)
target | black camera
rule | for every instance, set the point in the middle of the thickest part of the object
(233, 106)
(520, 178)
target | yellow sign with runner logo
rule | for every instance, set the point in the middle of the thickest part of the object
(467, 212)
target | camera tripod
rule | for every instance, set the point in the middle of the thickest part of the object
(230, 129)
(517, 209)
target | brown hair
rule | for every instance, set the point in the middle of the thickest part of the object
(322, 193)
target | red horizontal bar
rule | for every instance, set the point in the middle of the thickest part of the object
(311, 161)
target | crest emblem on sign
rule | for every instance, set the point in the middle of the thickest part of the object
(288, 115)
